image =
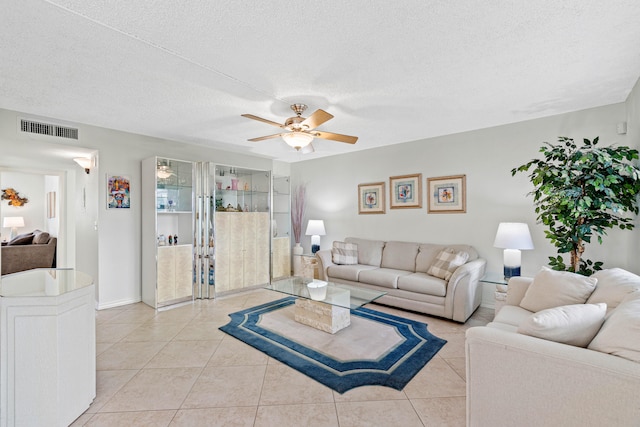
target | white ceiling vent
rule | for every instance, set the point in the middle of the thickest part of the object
(41, 128)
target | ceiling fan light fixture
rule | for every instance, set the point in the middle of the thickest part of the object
(297, 140)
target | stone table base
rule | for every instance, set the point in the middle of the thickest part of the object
(325, 317)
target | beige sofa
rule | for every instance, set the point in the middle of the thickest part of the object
(521, 374)
(29, 255)
(401, 270)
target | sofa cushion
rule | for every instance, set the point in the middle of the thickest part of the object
(574, 324)
(385, 277)
(620, 334)
(552, 288)
(344, 253)
(348, 272)
(614, 285)
(21, 239)
(512, 315)
(447, 261)
(423, 283)
(369, 251)
(40, 237)
(400, 256)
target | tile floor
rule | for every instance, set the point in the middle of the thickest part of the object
(175, 368)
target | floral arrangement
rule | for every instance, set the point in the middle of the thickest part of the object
(13, 197)
(298, 205)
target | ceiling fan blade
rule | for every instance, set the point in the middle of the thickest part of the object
(260, 119)
(262, 138)
(316, 119)
(335, 137)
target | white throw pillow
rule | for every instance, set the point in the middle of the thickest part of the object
(552, 288)
(574, 324)
(446, 263)
(620, 334)
(614, 285)
(344, 253)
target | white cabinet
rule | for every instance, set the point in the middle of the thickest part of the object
(167, 216)
(242, 250)
(47, 347)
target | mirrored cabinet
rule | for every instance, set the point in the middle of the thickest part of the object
(167, 231)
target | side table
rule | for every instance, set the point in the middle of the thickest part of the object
(501, 288)
(307, 266)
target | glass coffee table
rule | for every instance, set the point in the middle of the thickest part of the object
(324, 305)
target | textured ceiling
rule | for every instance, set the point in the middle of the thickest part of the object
(389, 72)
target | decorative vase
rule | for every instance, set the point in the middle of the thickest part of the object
(234, 184)
(297, 249)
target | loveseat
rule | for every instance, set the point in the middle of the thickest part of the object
(563, 351)
(436, 279)
(28, 251)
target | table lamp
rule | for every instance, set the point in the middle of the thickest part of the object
(513, 237)
(315, 229)
(13, 222)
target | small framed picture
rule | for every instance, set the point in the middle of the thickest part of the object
(406, 191)
(447, 194)
(371, 198)
(118, 196)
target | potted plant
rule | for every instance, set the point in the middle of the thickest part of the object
(580, 192)
(298, 205)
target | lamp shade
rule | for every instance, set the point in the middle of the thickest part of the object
(315, 227)
(13, 221)
(513, 235)
(297, 140)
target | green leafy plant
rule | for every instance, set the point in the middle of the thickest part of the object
(580, 192)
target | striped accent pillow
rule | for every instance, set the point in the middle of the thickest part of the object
(446, 263)
(344, 253)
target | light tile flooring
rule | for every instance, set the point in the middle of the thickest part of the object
(175, 368)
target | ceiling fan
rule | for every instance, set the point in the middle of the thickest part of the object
(300, 130)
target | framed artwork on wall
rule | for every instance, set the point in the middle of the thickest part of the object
(447, 194)
(406, 191)
(371, 198)
(118, 196)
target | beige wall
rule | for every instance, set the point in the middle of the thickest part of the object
(486, 157)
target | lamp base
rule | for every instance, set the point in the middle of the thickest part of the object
(511, 272)
(315, 248)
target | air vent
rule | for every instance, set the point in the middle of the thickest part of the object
(40, 128)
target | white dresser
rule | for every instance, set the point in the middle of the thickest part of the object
(47, 347)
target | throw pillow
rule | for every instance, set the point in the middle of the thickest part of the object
(575, 324)
(40, 237)
(446, 263)
(620, 333)
(552, 288)
(344, 253)
(21, 239)
(614, 285)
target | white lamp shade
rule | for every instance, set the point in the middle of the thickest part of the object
(297, 140)
(315, 227)
(513, 235)
(13, 221)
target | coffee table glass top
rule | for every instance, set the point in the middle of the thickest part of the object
(337, 293)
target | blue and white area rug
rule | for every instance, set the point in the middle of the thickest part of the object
(376, 349)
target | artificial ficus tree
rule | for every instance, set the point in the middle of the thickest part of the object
(580, 192)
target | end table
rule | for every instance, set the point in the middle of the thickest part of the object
(501, 288)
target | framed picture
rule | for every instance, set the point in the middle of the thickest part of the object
(406, 191)
(118, 192)
(447, 194)
(51, 204)
(371, 198)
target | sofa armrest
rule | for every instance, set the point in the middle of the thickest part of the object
(518, 380)
(516, 289)
(324, 261)
(464, 291)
